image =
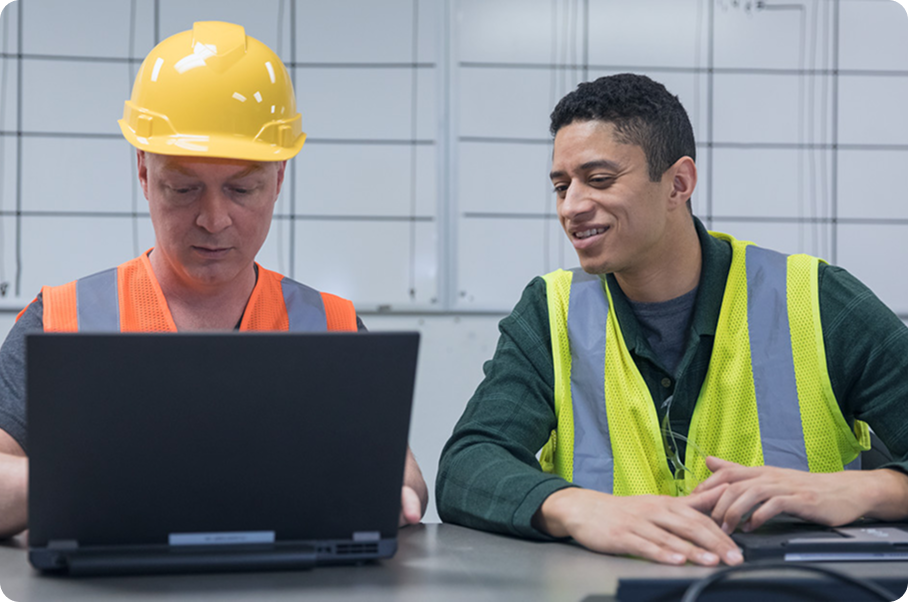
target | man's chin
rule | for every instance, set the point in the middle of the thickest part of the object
(592, 266)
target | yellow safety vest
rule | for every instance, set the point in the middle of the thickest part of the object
(766, 398)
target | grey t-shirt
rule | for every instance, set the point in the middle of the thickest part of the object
(12, 370)
(665, 325)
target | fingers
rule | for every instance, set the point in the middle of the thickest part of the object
(705, 501)
(662, 545)
(705, 536)
(677, 527)
(723, 472)
(410, 507)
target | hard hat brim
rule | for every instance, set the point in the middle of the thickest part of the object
(229, 147)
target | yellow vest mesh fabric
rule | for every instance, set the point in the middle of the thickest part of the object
(829, 441)
(555, 457)
(640, 463)
(725, 422)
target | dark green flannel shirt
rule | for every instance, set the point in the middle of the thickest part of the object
(489, 477)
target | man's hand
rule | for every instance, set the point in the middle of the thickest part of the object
(661, 528)
(414, 496)
(410, 507)
(13, 494)
(831, 499)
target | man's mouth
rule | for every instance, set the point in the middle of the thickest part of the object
(204, 249)
(590, 232)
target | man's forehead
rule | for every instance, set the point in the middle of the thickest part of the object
(193, 165)
(584, 145)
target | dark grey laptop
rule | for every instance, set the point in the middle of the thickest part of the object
(202, 452)
(789, 539)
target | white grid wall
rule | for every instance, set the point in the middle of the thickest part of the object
(797, 107)
(357, 215)
(423, 184)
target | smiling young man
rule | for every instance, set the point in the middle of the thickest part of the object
(213, 119)
(681, 378)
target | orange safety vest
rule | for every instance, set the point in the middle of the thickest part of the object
(128, 298)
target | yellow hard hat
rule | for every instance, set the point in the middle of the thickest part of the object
(214, 92)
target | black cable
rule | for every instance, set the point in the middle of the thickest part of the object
(697, 588)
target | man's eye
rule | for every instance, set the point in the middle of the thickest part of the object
(181, 189)
(600, 180)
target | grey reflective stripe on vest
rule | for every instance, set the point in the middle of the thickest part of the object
(587, 314)
(305, 309)
(97, 302)
(772, 360)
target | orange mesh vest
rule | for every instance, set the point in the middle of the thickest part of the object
(128, 298)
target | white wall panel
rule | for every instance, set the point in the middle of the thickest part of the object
(68, 174)
(874, 253)
(644, 33)
(872, 109)
(874, 36)
(507, 31)
(342, 179)
(368, 260)
(74, 97)
(364, 31)
(51, 27)
(871, 184)
(361, 103)
(505, 177)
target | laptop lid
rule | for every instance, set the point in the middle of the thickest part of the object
(796, 541)
(205, 451)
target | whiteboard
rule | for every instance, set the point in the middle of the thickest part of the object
(423, 186)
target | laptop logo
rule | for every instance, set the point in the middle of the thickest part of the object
(221, 539)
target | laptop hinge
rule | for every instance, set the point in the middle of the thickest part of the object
(62, 544)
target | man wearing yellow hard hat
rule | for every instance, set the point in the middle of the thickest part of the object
(213, 118)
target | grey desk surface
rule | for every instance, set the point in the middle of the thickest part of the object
(433, 563)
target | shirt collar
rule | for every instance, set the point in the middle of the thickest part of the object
(716, 260)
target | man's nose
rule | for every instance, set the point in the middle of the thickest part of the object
(214, 212)
(576, 201)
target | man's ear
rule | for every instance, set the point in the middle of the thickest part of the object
(142, 170)
(684, 180)
(280, 177)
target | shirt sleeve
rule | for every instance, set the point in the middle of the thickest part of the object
(867, 357)
(489, 477)
(12, 371)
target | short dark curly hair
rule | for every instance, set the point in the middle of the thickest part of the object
(643, 113)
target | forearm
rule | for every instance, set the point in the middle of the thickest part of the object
(484, 486)
(13, 494)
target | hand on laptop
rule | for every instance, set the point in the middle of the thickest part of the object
(665, 529)
(414, 496)
(830, 499)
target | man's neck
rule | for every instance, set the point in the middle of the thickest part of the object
(672, 272)
(197, 307)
